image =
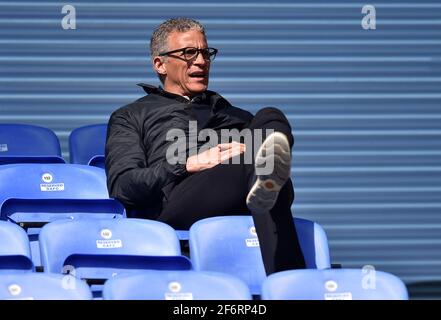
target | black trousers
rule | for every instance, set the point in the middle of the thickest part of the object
(222, 190)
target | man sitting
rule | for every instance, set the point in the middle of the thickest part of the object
(202, 181)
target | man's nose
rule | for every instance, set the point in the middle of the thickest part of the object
(200, 59)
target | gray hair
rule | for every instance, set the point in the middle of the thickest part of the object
(159, 39)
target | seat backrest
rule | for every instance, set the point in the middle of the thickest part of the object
(87, 142)
(43, 286)
(333, 284)
(314, 244)
(176, 285)
(230, 245)
(97, 249)
(34, 194)
(52, 181)
(28, 143)
(15, 252)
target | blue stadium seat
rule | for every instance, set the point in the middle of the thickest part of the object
(333, 284)
(97, 161)
(52, 181)
(21, 143)
(15, 253)
(42, 286)
(42, 192)
(100, 249)
(183, 234)
(86, 145)
(34, 213)
(34, 194)
(230, 245)
(176, 285)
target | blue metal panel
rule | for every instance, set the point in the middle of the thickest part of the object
(365, 105)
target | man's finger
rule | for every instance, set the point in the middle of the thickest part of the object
(227, 154)
(224, 146)
(234, 144)
(234, 149)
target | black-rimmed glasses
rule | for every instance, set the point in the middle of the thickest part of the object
(191, 53)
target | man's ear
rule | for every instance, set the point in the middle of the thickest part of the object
(159, 65)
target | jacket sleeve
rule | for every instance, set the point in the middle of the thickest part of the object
(129, 178)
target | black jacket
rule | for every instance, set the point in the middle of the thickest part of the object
(137, 171)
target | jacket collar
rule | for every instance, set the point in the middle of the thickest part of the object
(215, 100)
(149, 89)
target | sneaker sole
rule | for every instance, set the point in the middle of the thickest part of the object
(263, 195)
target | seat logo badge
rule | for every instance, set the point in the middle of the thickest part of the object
(331, 285)
(47, 177)
(106, 234)
(174, 287)
(14, 289)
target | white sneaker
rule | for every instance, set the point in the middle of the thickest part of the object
(274, 150)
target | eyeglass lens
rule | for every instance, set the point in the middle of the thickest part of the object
(191, 53)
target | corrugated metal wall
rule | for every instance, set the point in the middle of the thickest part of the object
(365, 104)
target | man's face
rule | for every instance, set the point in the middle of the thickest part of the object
(186, 78)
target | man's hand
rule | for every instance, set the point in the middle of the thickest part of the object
(212, 157)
